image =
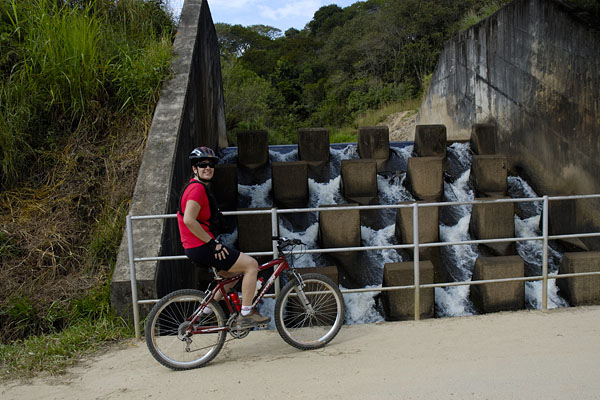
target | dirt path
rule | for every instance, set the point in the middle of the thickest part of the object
(519, 355)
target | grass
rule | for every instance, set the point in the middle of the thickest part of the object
(78, 84)
(91, 325)
(487, 9)
(349, 133)
(53, 353)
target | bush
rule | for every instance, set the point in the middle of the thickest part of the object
(78, 84)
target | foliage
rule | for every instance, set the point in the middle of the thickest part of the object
(344, 62)
(79, 82)
(479, 13)
(92, 326)
(62, 60)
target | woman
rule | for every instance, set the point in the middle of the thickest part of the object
(200, 243)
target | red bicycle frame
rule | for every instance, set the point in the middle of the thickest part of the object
(282, 266)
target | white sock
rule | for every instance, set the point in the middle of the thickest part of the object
(207, 311)
(246, 310)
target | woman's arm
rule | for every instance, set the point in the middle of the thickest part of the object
(192, 209)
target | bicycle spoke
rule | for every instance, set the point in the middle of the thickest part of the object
(311, 325)
(171, 339)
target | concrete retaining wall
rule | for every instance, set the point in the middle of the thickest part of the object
(532, 69)
(190, 113)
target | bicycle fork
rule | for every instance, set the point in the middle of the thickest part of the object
(299, 289)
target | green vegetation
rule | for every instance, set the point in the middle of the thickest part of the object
(92, 326)
(482, 12)
(79, 81)
(346, 62)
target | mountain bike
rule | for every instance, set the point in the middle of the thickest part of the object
(309, 312)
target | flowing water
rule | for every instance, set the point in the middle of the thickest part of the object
(254, 190)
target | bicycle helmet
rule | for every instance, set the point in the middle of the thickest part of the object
(202, 153)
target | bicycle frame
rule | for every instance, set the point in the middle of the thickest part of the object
(279, 264)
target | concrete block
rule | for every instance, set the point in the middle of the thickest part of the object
(313, 145)
(489, 174)
(225, 186)
(494, 221)
(430, 141)
(254, 231)
(400, 304)
(341, 229)
(428, 224)
(424, 177)
(290, 183)
(253, 149)
(359, 181)
(428, 233)
(504, 296)
(483, 139)
(374, 143)
(329, 271)
(562, 220)
(582, 290)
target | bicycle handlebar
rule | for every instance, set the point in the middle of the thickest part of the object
(283, 242)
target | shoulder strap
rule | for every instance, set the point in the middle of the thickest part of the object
(179, 211)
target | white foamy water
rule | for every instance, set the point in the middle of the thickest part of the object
(462, 153)
(309, 238)
(360, 307)
(392, 190)
(345, 153)
(454, 301)
(277, 156)
(257, 196)
(531, 251)
(459, 259)
(325, 193)
(381, 237)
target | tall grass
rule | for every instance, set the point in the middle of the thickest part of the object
(79, 80)
(349, 133)
(64, 59)
(482, 12)
(91, 327)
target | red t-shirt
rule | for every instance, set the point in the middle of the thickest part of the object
(196, 192)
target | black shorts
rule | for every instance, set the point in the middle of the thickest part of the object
(203, 256)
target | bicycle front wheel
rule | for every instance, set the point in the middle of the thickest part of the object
(309, 317)
(170, 341)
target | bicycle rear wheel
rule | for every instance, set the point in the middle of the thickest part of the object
(166, 331)
(313, 325)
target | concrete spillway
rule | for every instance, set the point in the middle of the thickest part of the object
(530, 72)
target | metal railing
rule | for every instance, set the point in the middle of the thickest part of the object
(416, 246)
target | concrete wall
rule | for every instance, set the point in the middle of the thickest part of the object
(190, 113)
(533, 70)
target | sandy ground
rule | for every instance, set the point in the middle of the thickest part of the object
(401, 126)
(518, 355)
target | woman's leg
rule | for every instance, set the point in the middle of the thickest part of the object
(249, 267)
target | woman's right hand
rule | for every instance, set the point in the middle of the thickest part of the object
(220, 252)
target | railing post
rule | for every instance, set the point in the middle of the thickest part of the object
(545, 255)
(416, 260)
(132, 278)
(274, 232)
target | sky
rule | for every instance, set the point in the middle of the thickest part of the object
(281, 14)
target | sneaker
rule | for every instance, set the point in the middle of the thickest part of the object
(251, 320)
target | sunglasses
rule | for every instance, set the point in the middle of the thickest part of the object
(205, 164)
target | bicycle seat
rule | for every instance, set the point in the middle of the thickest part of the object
(216, 274)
